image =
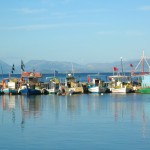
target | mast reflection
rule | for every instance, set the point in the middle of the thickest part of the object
(109, 107)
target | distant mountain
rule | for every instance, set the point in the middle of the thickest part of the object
(108, 67)
(50, 66)
(4, 67)
(44, 66)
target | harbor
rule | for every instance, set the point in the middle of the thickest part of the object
(33, 83)
(75, 110)
(96, 83)
(74, 75)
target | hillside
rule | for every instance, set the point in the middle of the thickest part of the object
(63, 67)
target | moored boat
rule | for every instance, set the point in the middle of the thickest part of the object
(10, 86)
(26, 90)
(120, 84)
(72, 86)
(144, 83)
(53, 85)
(97, 85)
(29, 84)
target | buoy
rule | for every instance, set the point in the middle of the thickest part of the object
(102, 94)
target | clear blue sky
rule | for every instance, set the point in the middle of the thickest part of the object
(81, 31)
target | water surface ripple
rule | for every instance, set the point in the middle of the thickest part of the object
(88, 121)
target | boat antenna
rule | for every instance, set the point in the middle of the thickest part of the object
(121, 65)
(33, 70)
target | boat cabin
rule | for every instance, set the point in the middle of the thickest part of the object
(145, 81)
(11, 83)
(32, 78)
(70, 80)
(96, 81)
(53, 83)
(119, 81)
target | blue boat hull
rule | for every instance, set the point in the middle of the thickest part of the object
(28, 91)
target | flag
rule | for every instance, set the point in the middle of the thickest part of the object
(115, 69)
(22, 65)
(13, 69)
(131, 65)
(89, 79)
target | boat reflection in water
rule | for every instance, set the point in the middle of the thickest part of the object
(103, 110)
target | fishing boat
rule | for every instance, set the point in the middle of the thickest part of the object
(120, 84)
(97, 85)
(10, 86)
(26, 90)
(143, 77)
(29, 84)
(53, 85)
(72, 86)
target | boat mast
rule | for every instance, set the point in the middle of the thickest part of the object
(142, 62)
(72, 70)
(54, 73)
(2, 71)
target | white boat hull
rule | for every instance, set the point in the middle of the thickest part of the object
(52, 91)
(93, 89)
(119, 90)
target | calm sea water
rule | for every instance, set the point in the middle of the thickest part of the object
(88, 121)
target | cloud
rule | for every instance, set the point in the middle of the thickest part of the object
(78, 13)
(93, 10)
(126, 33)
(134, 33)
(145, 8)
(56, 1)
(61, 15)
(31, 11)
(50, 26)
(67, 1)
(107, 32)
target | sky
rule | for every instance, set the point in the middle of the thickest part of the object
(81, 31)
